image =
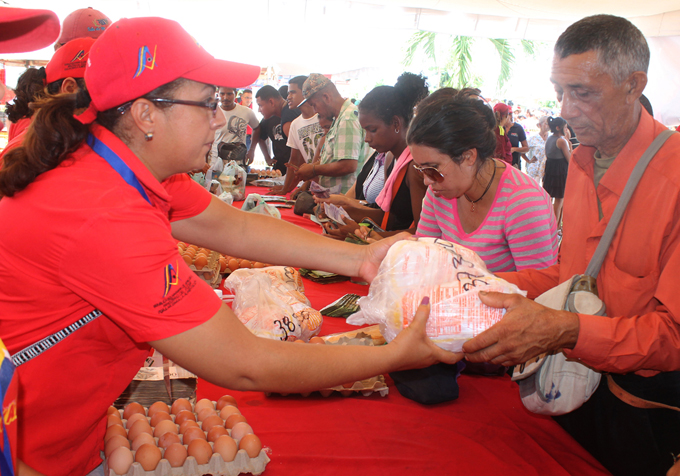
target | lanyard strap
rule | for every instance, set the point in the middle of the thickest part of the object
(117, 164)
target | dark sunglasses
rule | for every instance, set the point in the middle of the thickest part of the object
(430, 172)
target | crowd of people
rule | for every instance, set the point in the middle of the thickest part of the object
(100, 157)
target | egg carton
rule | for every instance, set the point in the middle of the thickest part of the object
(365, 387)
(216, 466)
(210, 273)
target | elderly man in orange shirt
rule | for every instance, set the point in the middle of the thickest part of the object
(599, 71)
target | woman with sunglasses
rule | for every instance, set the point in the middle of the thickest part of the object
(90, 275)
(472, 198)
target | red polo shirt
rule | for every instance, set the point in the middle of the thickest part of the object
(80, 238)
(640, 278)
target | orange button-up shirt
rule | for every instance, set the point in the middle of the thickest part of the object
(640, 278)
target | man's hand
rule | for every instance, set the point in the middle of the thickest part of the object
(305, 172)
(527, 330)
(250, 156)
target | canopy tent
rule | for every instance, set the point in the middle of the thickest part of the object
(333, 36)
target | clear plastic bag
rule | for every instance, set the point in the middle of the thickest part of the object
(255, 204)
(271, 303)
(450, 274)
(226, 197)
(233, 180)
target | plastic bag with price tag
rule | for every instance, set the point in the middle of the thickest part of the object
(271, 303)
(450, 274)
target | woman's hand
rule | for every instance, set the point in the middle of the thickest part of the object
(415, 349)
(376, 252)
(339, 201)
(340, 232)
(368, 234)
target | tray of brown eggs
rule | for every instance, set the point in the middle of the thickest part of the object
(364, 387)
(204, 262)
(181, 440)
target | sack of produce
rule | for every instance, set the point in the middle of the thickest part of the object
(450, 274)
(271, 303)
(255, 204)
(233, 180)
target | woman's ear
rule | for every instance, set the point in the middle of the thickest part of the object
(69, 86)
(469, 157)
(144, 115)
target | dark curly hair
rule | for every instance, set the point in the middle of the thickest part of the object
(386, 102)
(30, 88)
(453, 121)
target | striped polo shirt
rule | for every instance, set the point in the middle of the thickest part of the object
(519, 231)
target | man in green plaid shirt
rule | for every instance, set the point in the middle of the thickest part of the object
(344, 152)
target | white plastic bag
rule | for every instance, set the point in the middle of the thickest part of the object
(226, 197)
(255, 204)
(450, 274)
(271, 303)
(233, 180)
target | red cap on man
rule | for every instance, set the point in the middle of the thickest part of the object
(69, 61)
(83, 23)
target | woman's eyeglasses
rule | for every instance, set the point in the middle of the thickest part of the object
(430, 172)
(209, 104)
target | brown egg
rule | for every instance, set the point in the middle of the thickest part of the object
(139, 427)
(165, 426)
(208, 275)
(193, 434)
(187, 424)
(233, 264)
(299, 341)
(316, 340)
(114, 442)
(201, 450)
(142, 439)
(158, 407)
(223, 265)
(194, 248)
(187, 259)
(240, 430)
(252, 444)
(228, 411)
(205, 413)
(134, 419)
(132, 408)
(114, 430)
(176, 454)
(167, 439)
(203, 403)
(111, 410)
(211, 421)
(246, 264)
(148, 456)
(159, 416)
(200, 262)
(113, 419)
(348, 385)
(225, 400)
(179, 405)
(226, 447)
(215, 432)
(120, 460)
(232, 420)
(183, 416)
(205, 251)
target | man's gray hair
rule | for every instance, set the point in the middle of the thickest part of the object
(621, 48)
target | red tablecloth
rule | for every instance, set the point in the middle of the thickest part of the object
(486, 431)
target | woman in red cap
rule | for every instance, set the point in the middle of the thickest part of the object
(503, 122)
(97, 265)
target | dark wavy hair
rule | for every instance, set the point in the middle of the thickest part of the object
(386, 102)
(54, 134)
(30, 88)
(556, 125)
(453, 121)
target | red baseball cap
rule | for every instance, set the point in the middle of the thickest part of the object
(83, 23)
(23, 29)
(502, 108)
(69, 61)
(134, 56)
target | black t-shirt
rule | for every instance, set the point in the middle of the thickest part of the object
(516, 135)
(272, 129)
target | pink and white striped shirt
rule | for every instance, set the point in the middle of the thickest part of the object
(519, 232)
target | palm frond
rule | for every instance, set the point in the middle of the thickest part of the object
(420, 39)
(507, 57)
(462, 52)
(529, 47)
